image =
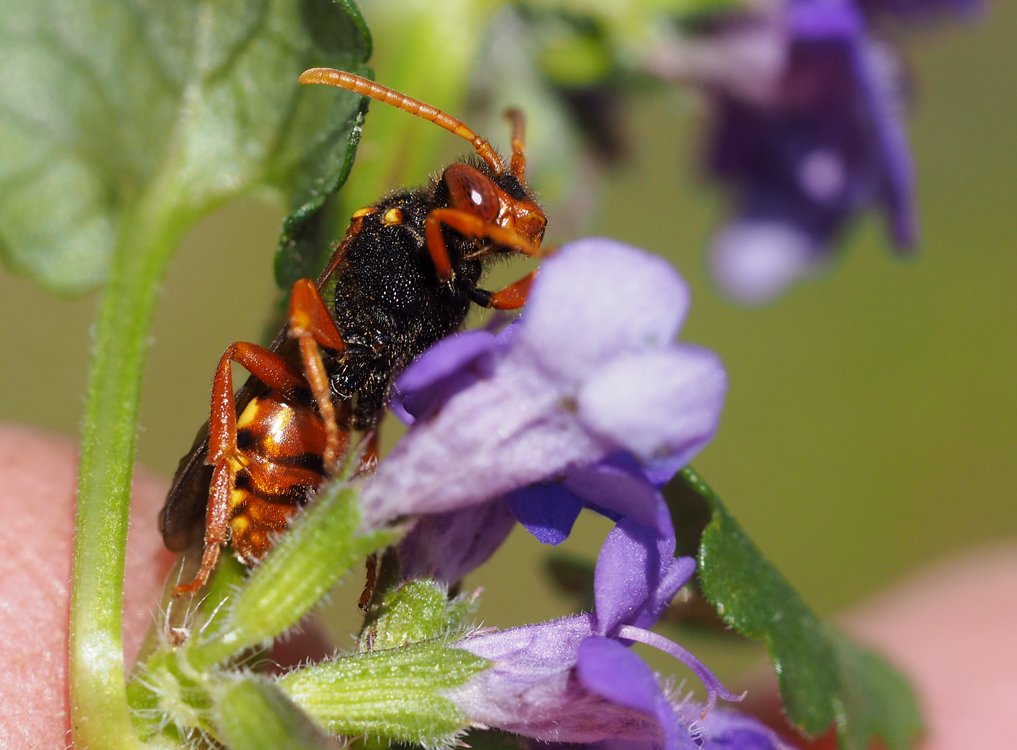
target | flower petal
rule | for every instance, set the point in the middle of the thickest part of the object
(442, 371)
(618, 488)
(730, 730)
(656, 404)
(447, 546)
(531, 688)
(636, 577)
(548, 511)
(595, 299)
(501, 434)
(754, 261)
(607, 668)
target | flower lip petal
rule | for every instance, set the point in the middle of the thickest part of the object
(610, 670)
(656, 404)
(636, 576)
(721, 729)
(596, 298)
(617, 487)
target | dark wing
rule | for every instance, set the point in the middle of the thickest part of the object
(182, 518)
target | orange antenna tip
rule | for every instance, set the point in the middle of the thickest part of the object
(366, 87)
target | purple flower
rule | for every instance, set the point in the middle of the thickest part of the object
(447, 546)
(921, 9)
(804, 161)
(575, 680)
(591, 371)
(806, 131)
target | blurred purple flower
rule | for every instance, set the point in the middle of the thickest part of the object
(591, 371)
(575, 681)
(824, 145)
(806, 130)
(921, 9)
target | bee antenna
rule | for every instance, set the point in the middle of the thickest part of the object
(365, 87)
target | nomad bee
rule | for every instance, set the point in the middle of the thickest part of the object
(403, 277)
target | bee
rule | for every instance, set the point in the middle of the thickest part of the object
(404, 276)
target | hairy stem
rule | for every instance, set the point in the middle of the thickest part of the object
(150, 229)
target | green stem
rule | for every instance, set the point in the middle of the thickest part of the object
(150, 229)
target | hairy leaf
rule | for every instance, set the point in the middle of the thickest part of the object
(102, 101)
(824, 678)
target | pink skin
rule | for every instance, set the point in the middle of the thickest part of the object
(37, 480)
(949, 628)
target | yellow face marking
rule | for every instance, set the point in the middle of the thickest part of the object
(392, 216)
(360, 213)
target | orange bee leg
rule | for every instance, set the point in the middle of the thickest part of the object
(514, 295)
(470, 225)
(273, 371)
(312, 326)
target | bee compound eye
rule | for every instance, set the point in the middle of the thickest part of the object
(471, 190)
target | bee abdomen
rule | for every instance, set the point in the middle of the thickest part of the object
(280, 466)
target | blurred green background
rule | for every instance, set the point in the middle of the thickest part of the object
(871, 423)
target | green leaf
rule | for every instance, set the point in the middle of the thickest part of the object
(394, 693)
(307, 237)
(824, 678)
(101, 100)
(878, 700)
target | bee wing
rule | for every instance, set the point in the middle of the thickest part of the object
(181, 520)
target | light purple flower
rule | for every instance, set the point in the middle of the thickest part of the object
(590, 371)
(575, 681)
(447, 546)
